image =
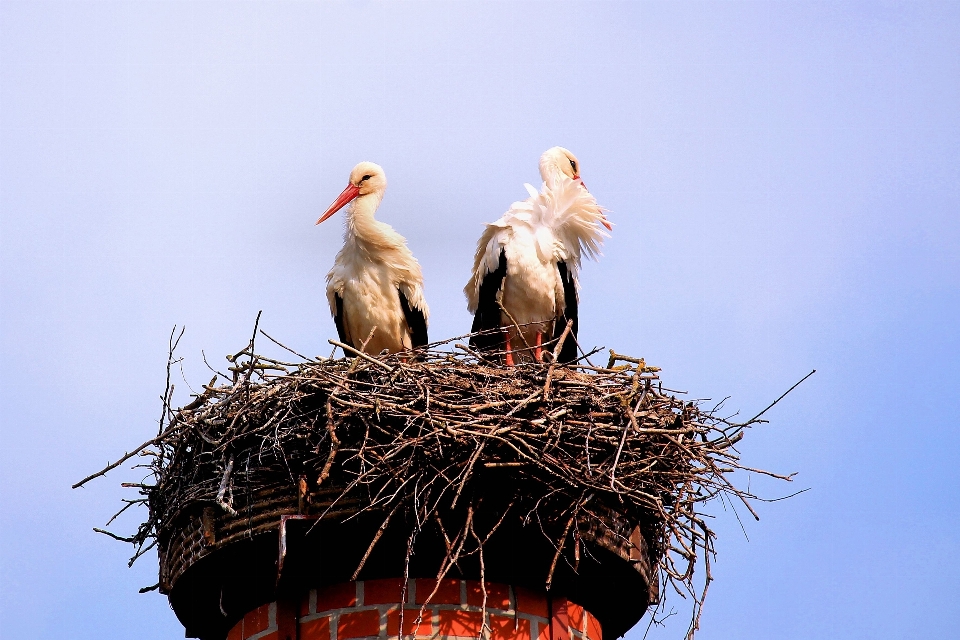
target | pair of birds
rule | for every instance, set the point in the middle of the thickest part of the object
(524, 281)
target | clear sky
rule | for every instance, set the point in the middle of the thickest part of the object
(785, 182)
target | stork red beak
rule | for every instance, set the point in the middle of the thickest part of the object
(351, 192)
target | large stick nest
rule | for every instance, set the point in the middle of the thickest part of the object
(415, 434)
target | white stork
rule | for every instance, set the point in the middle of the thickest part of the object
(527, 262)
(375, 280)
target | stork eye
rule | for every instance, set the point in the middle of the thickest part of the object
(366, 177)
(574, 165)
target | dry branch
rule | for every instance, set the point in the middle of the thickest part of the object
(412, 434)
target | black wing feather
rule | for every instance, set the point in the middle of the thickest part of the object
(568, 352)
(487, 317)
(416, 322)
(338, 320)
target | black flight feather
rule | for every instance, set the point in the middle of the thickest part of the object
(416, 322)
(487, 317)
(338, 320)
(568, 352)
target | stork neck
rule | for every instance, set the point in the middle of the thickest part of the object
(550, 172)
(360, 220)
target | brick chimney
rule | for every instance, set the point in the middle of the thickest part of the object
(370, 610)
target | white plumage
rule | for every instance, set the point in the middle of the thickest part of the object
(375, 280)
(528, 260)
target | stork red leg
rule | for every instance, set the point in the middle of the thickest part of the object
(509, 356)
(539, 350)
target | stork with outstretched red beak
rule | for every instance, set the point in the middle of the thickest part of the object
(524, 282)
(375, 280)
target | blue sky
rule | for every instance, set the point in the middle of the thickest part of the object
(783, 177)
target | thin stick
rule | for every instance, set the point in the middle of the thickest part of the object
(223, 489)
(373, 543)
(125, 457)
(283, 346)
(556, 354)
(361, 354)
(331, 425)
(418, 436)
(770, 406)
(516, 326)
(563, 539)
(168, 389)
(113, 535)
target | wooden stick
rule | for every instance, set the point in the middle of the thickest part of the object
(363, 355)
(417, 436)
(556, 354)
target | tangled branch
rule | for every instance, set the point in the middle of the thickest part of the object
(413, 434)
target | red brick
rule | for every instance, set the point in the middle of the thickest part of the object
(510, 627)
(382, 591)
(594, 630)
(544, 633)
(287, 620)
(270, 636)
(447, 593)
(359, 624)
(575, 614)
(460, 623)
(410, 628)
(560, 620)
(304, 607)
(531, 602)
(236, 633)
(498, 595)
(338, 596)
(316, 629)
(256, 621)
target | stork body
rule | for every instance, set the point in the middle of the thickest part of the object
(525, 269)
(375, 280)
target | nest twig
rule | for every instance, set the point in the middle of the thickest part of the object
(410, 433)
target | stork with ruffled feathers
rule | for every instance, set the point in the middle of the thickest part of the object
(375, 280)
(524, 281)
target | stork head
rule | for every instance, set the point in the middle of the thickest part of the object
(366, 178)
(559, 159)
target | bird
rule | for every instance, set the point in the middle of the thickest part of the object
(375, 280)
(524, 279)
